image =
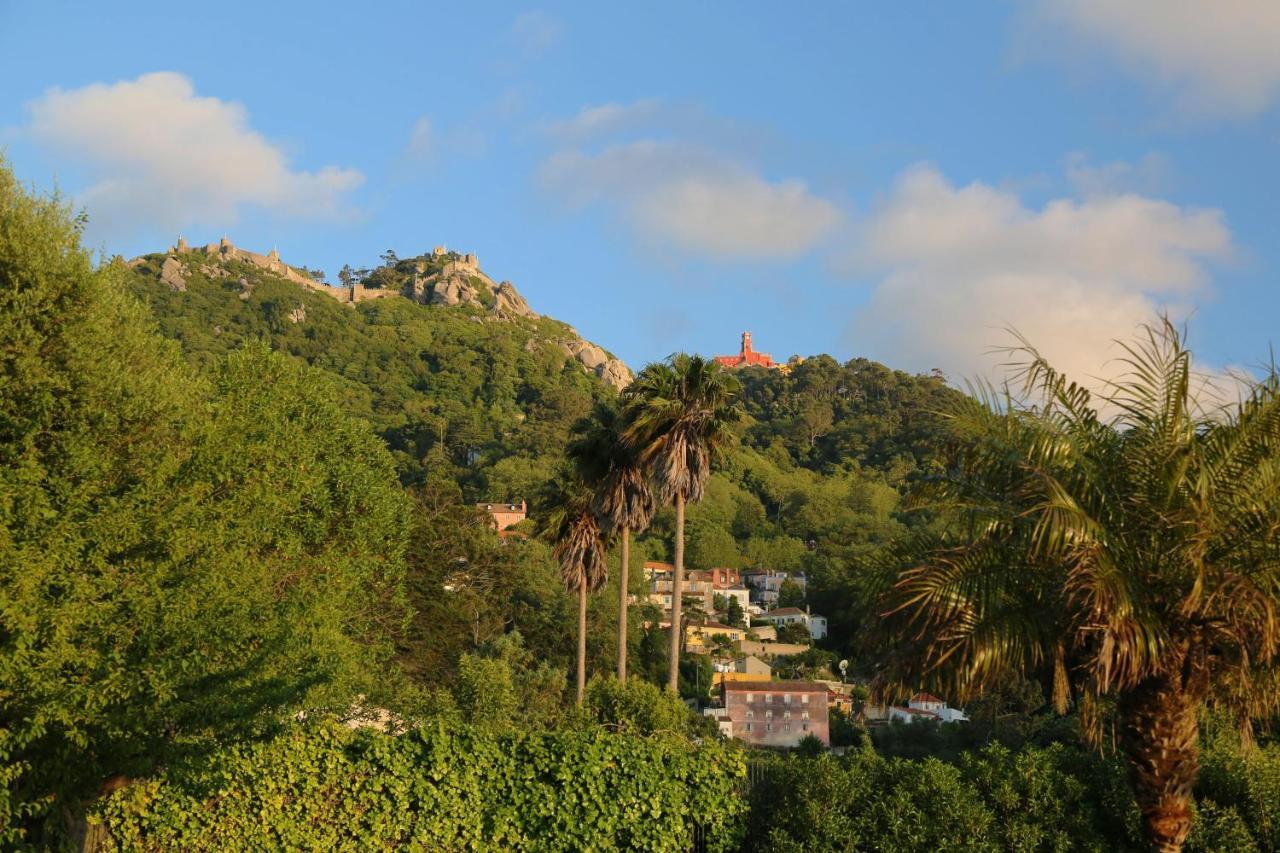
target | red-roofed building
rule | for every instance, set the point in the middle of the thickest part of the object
(505, 515)
(747, 357)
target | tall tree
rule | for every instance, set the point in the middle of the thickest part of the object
(184, 557)
(572, 525)
(679, 416)
(623, 497)
(1124, 541)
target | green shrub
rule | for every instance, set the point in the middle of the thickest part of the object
(994, 799)
(637, 707)
(326, 788)
(1217, 828)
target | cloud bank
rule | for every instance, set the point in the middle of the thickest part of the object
(958, 265)
(160, 155)
(1221, 57)
(694, 199)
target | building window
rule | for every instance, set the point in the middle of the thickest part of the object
(768, 715)
(751, 697)
(786, 698)
(751, 715)
(748, 728)
(804, 727)
(786, 727)
(786, 715)
(768, 698)
(806, 715)
(768, 727)
(804, 699)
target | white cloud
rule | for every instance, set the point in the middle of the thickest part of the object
(693, 199)
(1147, 176)
(604, 119)
(160, 155)
(421, 138)
(959, 265)
(1223, 57)
(535, 32)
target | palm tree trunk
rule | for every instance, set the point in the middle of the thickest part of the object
(1159, 733)
(622, 604)
(677, 590)
(582, 641)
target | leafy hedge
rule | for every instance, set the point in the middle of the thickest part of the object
(1055, 798)
(1035, 799)
(326, 788)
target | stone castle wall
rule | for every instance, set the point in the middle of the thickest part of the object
(224, 250)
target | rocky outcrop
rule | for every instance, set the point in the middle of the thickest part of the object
(454, 290)
(174, 273)
(508, 302)
(444, 278)
(611, 370)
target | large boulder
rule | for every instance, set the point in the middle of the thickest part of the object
(173, 273)
(615, 373)
(454, 290)
(508, 301)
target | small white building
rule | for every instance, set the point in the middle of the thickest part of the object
(922, 706)
(816, 625)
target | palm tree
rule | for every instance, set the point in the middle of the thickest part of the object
(679, 414)
(623, 498)
(579, 546)
(1125, 542)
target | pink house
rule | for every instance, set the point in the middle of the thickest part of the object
(776, 713)
(505, 515)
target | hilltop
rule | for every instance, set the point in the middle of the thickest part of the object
(435, 354)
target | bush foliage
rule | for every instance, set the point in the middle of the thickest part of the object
(440, 788)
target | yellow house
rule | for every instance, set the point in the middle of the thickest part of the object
(697, 637)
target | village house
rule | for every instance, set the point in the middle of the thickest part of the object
(505, 515)
(766, 584)
(698, 635)
(922, 706)
(775, 713)
(746, 668)
(700, 587)
(816, 625)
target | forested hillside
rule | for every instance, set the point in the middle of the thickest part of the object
(487, 401)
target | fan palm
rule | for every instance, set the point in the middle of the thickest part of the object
(578, 544)
(679, 413)
(1125, 542)
(623, 498)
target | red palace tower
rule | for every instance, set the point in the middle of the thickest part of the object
(748, 357)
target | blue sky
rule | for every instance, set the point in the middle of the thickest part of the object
(898, 181)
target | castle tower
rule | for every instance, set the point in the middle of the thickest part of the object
(224, 245)
(746, 343)
(181, 248)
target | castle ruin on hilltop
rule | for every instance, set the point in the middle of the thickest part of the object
(443, 278)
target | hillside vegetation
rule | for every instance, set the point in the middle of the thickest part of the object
(461, 394)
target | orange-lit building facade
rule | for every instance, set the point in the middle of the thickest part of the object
(747, 357)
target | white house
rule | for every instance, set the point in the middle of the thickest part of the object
(765, 584)
(922, 706)
(933, 705)
(816, 625)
